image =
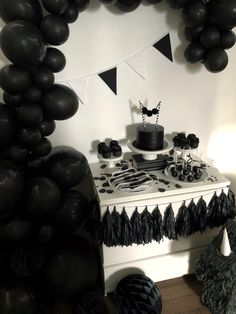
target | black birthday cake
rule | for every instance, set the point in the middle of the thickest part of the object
(149, 137)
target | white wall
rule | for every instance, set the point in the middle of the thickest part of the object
(193, 100)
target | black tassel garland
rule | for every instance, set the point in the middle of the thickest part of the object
(126, 230)
(183, 222)
(136, 222)
(157, 225)
(201, 215)
(214, 216)
(169, 223)
(192, 213)
(108, 235)
(116, 226)
(231, 198)
(147, 226)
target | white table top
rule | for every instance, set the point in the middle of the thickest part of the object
(162, 186)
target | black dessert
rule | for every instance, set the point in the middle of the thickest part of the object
(150, 137)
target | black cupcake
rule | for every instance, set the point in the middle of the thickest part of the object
(117, 151)
(106, 152)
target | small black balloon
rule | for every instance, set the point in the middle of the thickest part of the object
(210, 37)
(55, 6)
(72, 211)
(12, 100)
(67, 167)
(82, 5)
(60, 102)
(29, 137)
(72, 12)
(193, 33)
(27, 10)
(43, 148)
(22, 43)
(42, 196)
(14, 80)
(8, 125)
(15, 231)
(30, 114)
(47, 127)
(34, 166)
(16, 153)
(195, 13)
(11, 188)
(54, 60)
(33, 94)
(17, 301)
(128, 5)
(227, 39)
(43, 77)
(55, 30)
(222, 13)
(195, 53)
(176, 4)
(216, 60)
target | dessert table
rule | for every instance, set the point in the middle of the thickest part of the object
(169, 258)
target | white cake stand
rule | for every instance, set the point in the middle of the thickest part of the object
(151, 154)
(111, 162)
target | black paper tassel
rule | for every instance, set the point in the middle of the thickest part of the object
(225, 207)
(116, 225)
(136, 221)
(192, 214)
(126, 230)
(157, 225)
(200, 216)
(147, 226)
(169, 223)
(108, 235)
(231, 198)
(183, 223)
(214, 215)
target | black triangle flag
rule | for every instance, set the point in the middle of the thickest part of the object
(164, 46)
(109, 77)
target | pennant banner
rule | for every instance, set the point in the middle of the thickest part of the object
(136, 63)
(80, 88)
(164, 46)
(109, 77)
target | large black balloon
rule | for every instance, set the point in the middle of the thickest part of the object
(54, 60)
(14, 80)
(72, 269)
(195, 53)
(47, 127)
(42, 197)
(43, 77)
(55, 6)
(82, 4)
(67, 167)
(30, 114)
(128, 5)
(195, 13)
(22, 43)
(29, 137)
(12, 100)
(177, 4)
(60, 102)
(16, 153)
(72, 12)
(194, 33)
(8, 125)
(11, 187)
(17, 301)
(15, 231)
(227, 39)
(33, 94)
(27, 10)
(222, 13)
(72, 211)
(210, 37)
(55, 30)
(216, 60)
(43, 148)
